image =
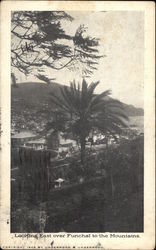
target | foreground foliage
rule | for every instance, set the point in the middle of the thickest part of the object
(89, 206)
(40, 41)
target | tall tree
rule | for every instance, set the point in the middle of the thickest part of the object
(88, 111)
(39, 41)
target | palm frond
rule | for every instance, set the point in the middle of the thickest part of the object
(66, 99)
(118, 120)
(100, 97)
(118, 113)
(59, 102)
(71, 96)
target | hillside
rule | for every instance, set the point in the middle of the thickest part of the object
(33, 94)
(31, 105)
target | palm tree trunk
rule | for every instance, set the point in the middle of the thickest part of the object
(111, 172)
(112, 183)
(83, 144)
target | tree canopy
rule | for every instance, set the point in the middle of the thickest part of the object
(89, 112)
(39, 41)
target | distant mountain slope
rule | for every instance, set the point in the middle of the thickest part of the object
(33, 94)
(132, 110)
(36, 96)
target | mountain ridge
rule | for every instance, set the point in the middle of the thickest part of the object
(38, 93)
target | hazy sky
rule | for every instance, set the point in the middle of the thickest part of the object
(121, 36)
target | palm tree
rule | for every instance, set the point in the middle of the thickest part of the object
(90, 112)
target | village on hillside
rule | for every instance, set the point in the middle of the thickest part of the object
(62, 142)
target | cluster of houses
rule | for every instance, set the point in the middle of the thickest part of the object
(58, 141)
(53, 140)
(62, 145)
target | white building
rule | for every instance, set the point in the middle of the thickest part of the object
(37, 144)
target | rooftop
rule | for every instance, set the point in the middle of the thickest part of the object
(39, 141)
(23, 134)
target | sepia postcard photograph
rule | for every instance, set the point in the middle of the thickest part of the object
(77, 125)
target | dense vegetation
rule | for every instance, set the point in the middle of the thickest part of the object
(87, 206)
